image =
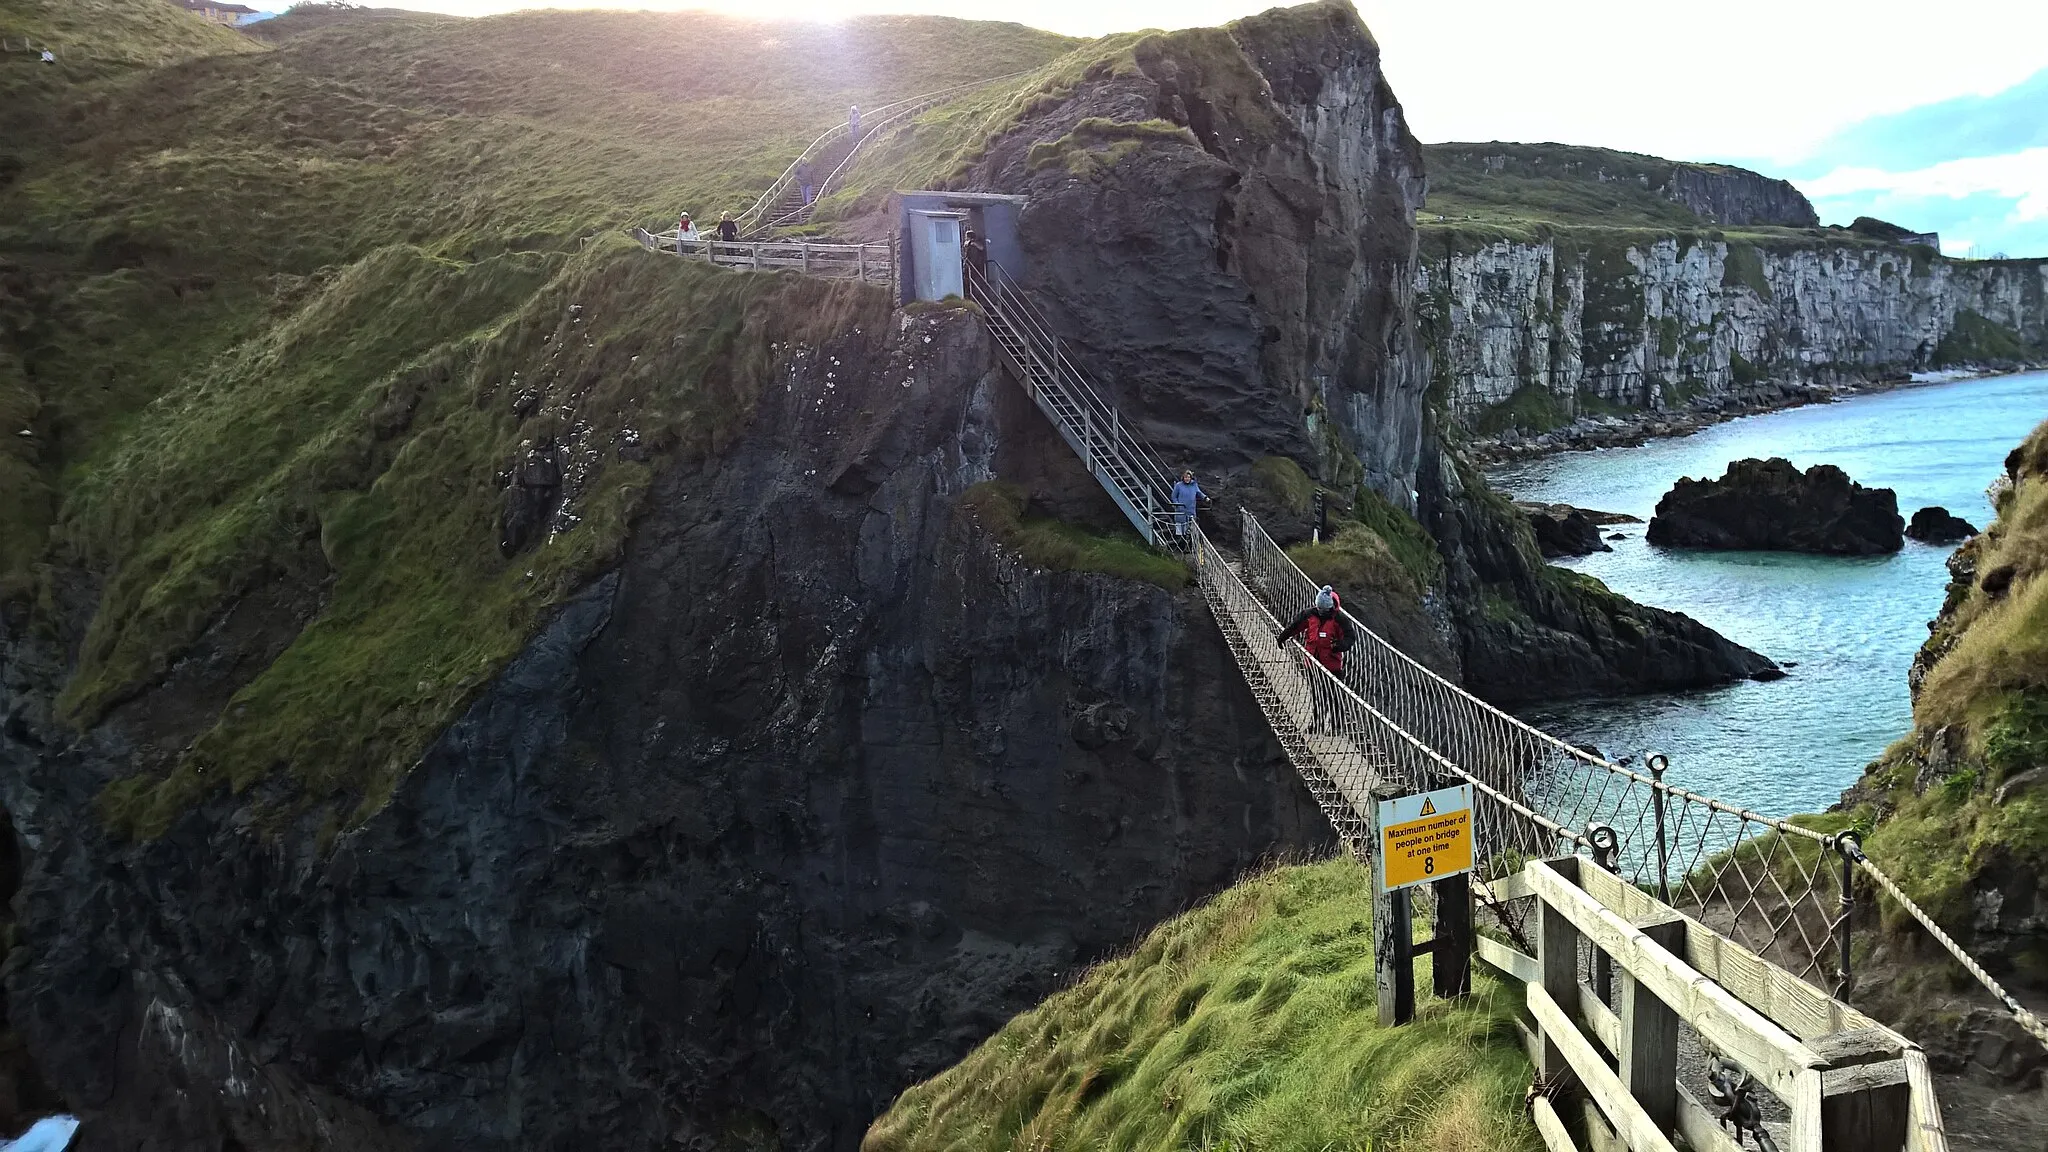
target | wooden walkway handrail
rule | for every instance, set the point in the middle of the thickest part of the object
(1851, 1084)
(875, 263)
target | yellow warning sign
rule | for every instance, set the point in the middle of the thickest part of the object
(1426, 841)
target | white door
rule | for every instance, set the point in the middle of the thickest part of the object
(935, 246)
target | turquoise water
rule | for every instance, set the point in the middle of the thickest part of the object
(1850, 625)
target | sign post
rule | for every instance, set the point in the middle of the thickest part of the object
(1424, 838)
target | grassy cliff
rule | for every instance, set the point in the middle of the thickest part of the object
(1247, 1023)
(277, 325)
(1961, 806)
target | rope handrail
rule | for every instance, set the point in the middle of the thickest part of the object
(1561, 746)
(2027, 1020)
(1388, 717)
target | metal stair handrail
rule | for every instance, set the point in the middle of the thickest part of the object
(1116, 454)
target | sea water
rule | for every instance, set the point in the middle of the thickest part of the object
(1847, 628)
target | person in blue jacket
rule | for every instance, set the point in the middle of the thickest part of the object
(1185, 494)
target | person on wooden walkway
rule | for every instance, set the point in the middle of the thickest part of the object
(686, 230)
(727, 230)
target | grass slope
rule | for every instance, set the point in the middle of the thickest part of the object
(1552, 182)
(284, 318)
(114, 31)
(1988, 688)
(1247, 1023)
(1001, 510)
(1554, 192)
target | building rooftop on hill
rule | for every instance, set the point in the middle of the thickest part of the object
(215, 11)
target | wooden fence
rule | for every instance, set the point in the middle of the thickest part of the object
(871, 263)
(1612, 1055)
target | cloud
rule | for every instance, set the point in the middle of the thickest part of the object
(2013, 120)
(2021, 177)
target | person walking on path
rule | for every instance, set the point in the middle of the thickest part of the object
(1185, 495)
(803, 181)
(727, 230)
(853, 122)
(1327, 636)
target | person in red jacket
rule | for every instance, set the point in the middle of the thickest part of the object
(1326, 635)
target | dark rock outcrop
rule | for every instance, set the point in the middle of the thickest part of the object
(1568, 535)
(1530, 630)
(1771, 505)
(1562, 530)
(1738, 196)
(533, 487)
(1245, 291)
(810, 795)
(1937, 525)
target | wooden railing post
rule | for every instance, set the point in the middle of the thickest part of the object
(1450, 949)
(1649, 1035)
(1393, 923)
(1557, 958)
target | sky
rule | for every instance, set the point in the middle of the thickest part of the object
(1933, 116)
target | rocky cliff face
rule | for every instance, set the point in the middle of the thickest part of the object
(1528, 630)
(1737, 196)
(818, 784)
(1244, 288)
(1559, 328)
(809, 795)
(1957, 808)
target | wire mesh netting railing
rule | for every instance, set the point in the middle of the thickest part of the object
(1772, 886)
(1383, 722)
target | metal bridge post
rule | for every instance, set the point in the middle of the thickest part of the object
(1606, 854)
(1849, 846)
(1658, 764)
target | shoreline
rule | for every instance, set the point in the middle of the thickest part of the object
(1592, 433)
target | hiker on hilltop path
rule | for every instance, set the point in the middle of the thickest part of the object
(1327, 635)
(803, 181)
(1185, 495)
(727, 230)
(49, 57)
(853, 121)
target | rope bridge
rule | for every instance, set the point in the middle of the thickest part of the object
(1784, 892)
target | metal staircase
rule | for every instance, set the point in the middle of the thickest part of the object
(1094, 429)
